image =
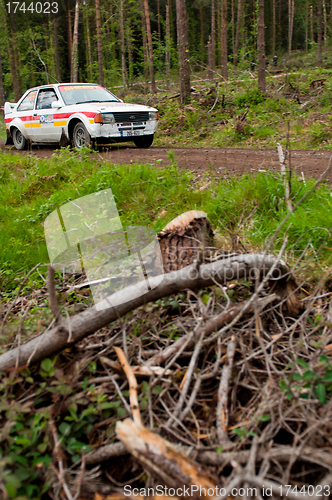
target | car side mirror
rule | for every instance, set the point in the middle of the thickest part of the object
(56, 105)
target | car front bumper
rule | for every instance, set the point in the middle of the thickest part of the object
(122, 131)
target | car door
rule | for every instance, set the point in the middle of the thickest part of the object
(42, 127)
(25, 111)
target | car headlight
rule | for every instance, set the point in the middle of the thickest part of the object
(104, 118)
(108, 118)
(153, 115)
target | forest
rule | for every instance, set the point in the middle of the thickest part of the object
(125, 41)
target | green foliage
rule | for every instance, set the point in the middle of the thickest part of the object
(308, 383)
(251, 97)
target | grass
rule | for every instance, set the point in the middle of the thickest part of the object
(146, 195)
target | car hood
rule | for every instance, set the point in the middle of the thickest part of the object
(109, 107)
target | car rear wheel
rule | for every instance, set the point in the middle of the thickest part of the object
(19, 140)
(144, 142)
(81, 136)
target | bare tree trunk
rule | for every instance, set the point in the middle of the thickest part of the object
(201, 15)
(148, 30)
(237, 35)
(145, 47)
(2, 93)
(261, 47)
(14, 57)
(158, 15)
(123, 48)
(312, 23)
(233, 21)
(99, 46)
(70, 35)
(306, 26)
(291, 9)
(325, 23)
(74, 57)
(319, 40)
(130, 53)
(88, 44)
(273, 27)
(168, 48)
(223, 40)
(56, 48)
(210, 59)
(213, 35)
(182, 33)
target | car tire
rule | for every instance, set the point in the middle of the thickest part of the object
(19, 140)
(81, 136)
(144, 142)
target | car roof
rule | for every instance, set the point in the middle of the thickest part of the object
(58, 84)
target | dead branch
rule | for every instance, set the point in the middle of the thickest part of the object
(89, 321)
(211, 326)
(52, 294)
(134, 405)
(162, 458)
(222, 410)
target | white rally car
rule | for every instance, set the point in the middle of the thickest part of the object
(82, 114)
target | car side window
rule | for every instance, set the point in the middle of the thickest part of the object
(28, 101)
(45, 99)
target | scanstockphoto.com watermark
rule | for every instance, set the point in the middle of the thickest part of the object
(192, 491)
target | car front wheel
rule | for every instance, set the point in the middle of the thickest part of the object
(81, 136)
(19, 140)
(144, 142)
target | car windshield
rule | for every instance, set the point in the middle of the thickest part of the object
(79, 94)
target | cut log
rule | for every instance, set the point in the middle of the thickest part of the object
(182, 240)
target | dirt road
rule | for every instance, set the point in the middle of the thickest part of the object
(222, 161)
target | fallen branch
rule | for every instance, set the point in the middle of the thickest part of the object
(89, 321)
(161, 457)
(211, 326)
(134, 406)
(222, 409)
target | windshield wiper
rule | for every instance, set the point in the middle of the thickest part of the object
(92, 100)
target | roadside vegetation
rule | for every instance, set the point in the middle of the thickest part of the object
(247, 208)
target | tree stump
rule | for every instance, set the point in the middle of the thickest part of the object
(183, 238)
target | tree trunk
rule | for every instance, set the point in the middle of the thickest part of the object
(306, 26)
(13, 56)
(261, 47)
(201, 15)
(312, 23)
(182, 34)
(291, 9)
(70, 36)
(88, 44)
(213, 35)
(130, 53)
(273, 27)
(233, 31)
(319, 40)
(74, 56)
(168, 48)
(158, 16)
(123, 48)
(2, 93)
(148, 30)
(145, 47)
(223, 40)
(99, 46)
(210, 59)
(237, 35)
(325, 23)
(56, 48)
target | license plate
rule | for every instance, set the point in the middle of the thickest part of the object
(132, 133)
